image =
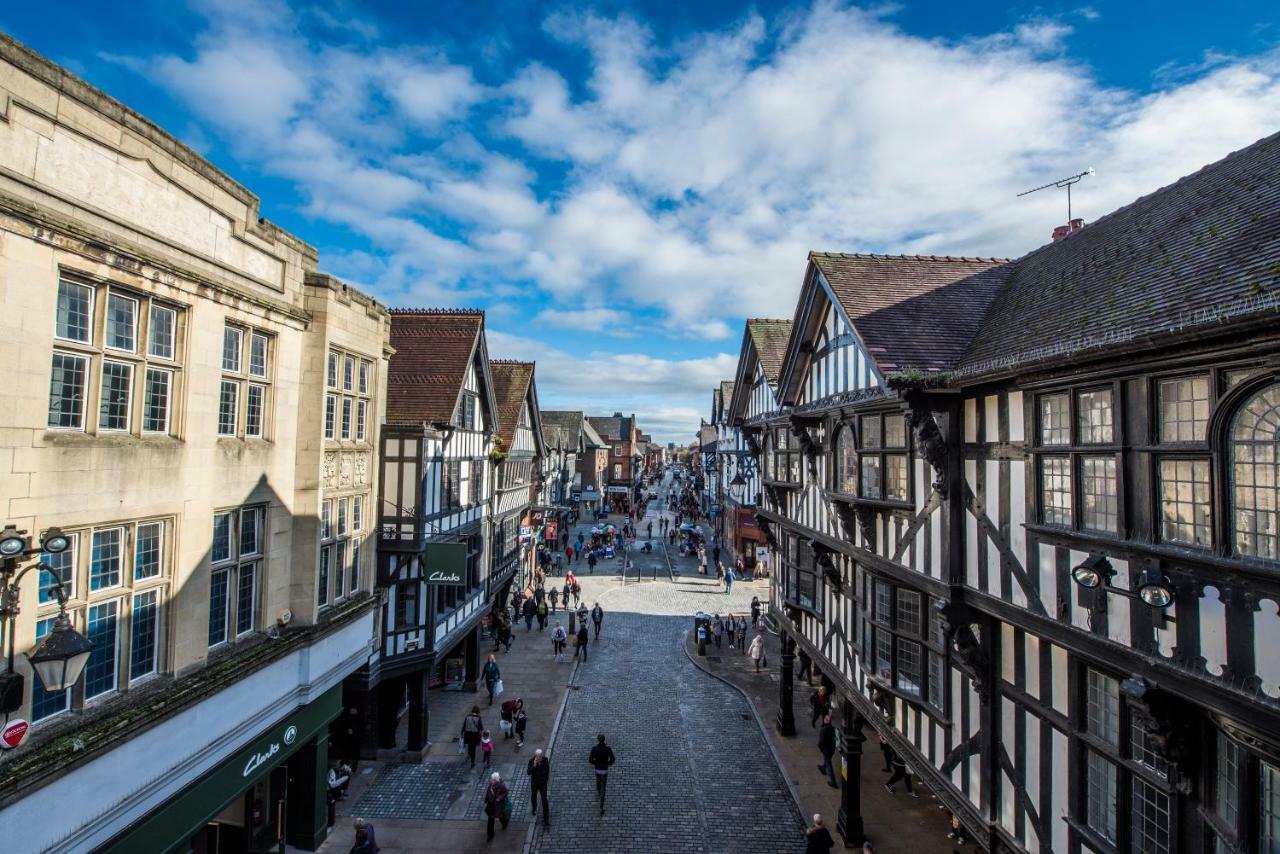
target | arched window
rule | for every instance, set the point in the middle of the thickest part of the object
(846, 462)
(1255, 475)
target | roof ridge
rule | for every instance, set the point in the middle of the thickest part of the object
(886, 256)
(437, 311)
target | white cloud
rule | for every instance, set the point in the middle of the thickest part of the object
(690, 179)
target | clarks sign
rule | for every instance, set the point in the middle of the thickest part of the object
(258, 759)
(445, 563)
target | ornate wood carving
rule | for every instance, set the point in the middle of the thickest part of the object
(822, 558)
(808, 447)
(930, 445)
(969, 652)
(867, 525)
(1166, 720)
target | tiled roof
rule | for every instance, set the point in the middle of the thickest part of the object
(432, 351)
(592, 437)
(913, 311)
(510, 389)
(1200, 251)
(568, 422)
(612, 428)
(726, 397)
(770, 338)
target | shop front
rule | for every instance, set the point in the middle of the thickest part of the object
(749, 542)
(267, 794)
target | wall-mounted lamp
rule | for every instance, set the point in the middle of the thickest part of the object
(1096, 572)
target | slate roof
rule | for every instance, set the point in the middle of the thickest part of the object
(510, 389)
(770, 338)
(1195, 253)
(592, 437)
(568, 422)
(913, 311)
(433, 348)
(613, 428)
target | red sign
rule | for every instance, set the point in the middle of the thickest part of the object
(13, 733)
(553, 529)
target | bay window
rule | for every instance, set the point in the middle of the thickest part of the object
(903, 640)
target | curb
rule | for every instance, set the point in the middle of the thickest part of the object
(764, 730)
(551, 740)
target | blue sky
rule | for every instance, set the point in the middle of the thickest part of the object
(619, 184)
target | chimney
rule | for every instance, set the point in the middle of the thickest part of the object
(1064, 231)
(617, 415)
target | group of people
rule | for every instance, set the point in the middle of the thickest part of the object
(497, 794)
(577, 630)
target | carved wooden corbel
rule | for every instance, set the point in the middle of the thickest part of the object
(823, 559)
(930, 444)
(968, 650)
(867, 525)
(808, 447)
(1166, 722)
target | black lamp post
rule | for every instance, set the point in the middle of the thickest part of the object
(60, 656)
(1096, 572)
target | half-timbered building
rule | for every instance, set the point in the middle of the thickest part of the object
(752, 399)
(1027, 520)
(436, 445)
(519, 469)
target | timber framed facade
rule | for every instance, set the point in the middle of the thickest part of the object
(1037, 551)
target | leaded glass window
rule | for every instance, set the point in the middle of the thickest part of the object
(1099, 495)
(1055, 419)
(1095, 416)
(1055, 486)
(1255, 469)
(1184, 409)
(1186, 507)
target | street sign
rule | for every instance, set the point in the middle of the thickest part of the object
(445, 563)
(13, 733)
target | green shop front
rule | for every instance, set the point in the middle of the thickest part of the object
(268, 793)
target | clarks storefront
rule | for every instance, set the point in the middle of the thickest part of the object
(266, 794)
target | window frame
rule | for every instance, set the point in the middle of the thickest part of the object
(234, 565)
(341, 539)
(243, 376)
(879, 453)
(1076, 451)
(348, 392)
(929, 638)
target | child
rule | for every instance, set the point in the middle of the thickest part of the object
(486, 744)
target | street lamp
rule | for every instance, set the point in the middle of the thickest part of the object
(737, 486)
(60, 657)
(1096, 572)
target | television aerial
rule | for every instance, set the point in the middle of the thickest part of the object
(1060, 183)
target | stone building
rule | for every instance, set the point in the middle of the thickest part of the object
(1025, 515)
(197, 408)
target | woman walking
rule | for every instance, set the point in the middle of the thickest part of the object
(558, 638)
(757, 652)
(742, 633)
(496, 807)
(521, 721)
(472, 726)
(492, 676)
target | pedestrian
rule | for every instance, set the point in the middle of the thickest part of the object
(360, 824)
(472, 726)
(568, 554)
(806, 667)
(492, 677)
(591, 563)
(554, 596)
(715, 554)
(900, 772)
(564, 594)
(819, 706)
(539, 779)
(728, 581)
(650, 529)
(529, 611)
(521, 721)
(558, 638)
(717, 630)
(597, 617)
(362, 845)
(573, 623)
(742, 633)
(339, 777)
(542, 615)
(486, 748)
(827, 747)
(539, 592)
(577, 593)
(755, 610)
(601, 759)
(757, 652)
(583, 639)
(817, 839)
(508, 715)
(582, 614)
(887, 752)
(496, 806)
(581, 539)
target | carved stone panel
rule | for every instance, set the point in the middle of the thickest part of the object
(329, 472)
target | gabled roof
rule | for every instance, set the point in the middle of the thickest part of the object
(511, 382)
(433, 349)
(1200, 252)
(613, 428)
(770, 338)
(913, 311)
(760, 336)
(591, 437)
(567, 422)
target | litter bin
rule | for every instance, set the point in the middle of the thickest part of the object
(702, 631)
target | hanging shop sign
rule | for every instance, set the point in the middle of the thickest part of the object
(13, 734)
(526, 534)
(552, 530)
(617, 490)
(445, 564)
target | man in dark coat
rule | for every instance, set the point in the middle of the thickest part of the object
(601, 759)
(827, 747)
(539, 779)
(530, 610)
